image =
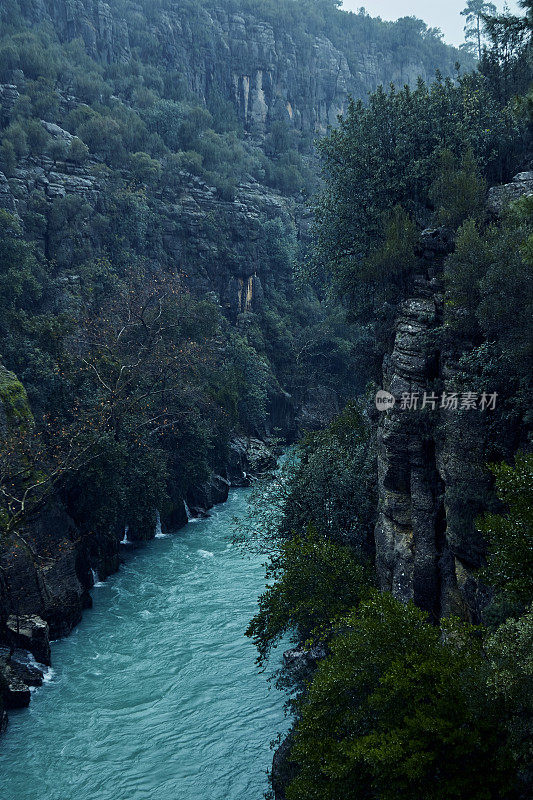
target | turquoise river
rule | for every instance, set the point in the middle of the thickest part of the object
(155, 695)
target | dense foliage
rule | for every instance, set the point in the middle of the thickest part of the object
(401, 706)
(136, 375)
(509, 569)
(317, 581)
(392, 168)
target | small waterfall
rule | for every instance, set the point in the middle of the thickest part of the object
(125, 540)
(158, 529)
(96, 579)
(190, 515)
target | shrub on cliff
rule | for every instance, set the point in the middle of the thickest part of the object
(333, 486)
(509, 569)
(316, 581)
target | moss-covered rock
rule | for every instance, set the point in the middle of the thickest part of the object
(14, 405)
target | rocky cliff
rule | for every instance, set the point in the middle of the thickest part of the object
(432, 447)
(269, 68)
(185, 215)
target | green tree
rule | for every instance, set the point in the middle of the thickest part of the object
(38, 139)
(510, 652)
(474, 12)
(8, 158)
(458, 191)
(78, 151)
(386, 154)
(333, 485)
(145, 169)
(400, 708)
(316, 581)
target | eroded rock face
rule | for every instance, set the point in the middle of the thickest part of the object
(432, 479)
(104, 33)
(268, 71)
(31, 633)
(9, 95)
(16, 694)
(215, 490)
(7, 201)
(410, 540)
(420, 552)
(51, 580)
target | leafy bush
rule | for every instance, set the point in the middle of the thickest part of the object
(316, 581)
(509, 569)
(401, 708)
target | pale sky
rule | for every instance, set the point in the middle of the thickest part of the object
(443, 14)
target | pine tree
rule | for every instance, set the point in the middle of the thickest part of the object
(474, 12)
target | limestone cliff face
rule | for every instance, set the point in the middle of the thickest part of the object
(104, 33)
(426, 543)
(267, 69)
(431, 469)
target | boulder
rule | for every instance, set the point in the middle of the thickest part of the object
(435, 243)
(30, 632)
(500, 196)
(249, 458)
(15, 693)
(57, 133)
(23, 666)
(301, 662)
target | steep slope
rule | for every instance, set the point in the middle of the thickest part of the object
(296, 61)
(161, 150)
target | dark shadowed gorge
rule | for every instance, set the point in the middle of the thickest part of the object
(227, 228)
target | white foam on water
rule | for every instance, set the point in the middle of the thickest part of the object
(47, 672)
(205, 553)
(48, 675)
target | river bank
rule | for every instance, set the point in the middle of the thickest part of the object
(43, 596)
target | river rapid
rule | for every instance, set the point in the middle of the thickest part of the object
(155, 695)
